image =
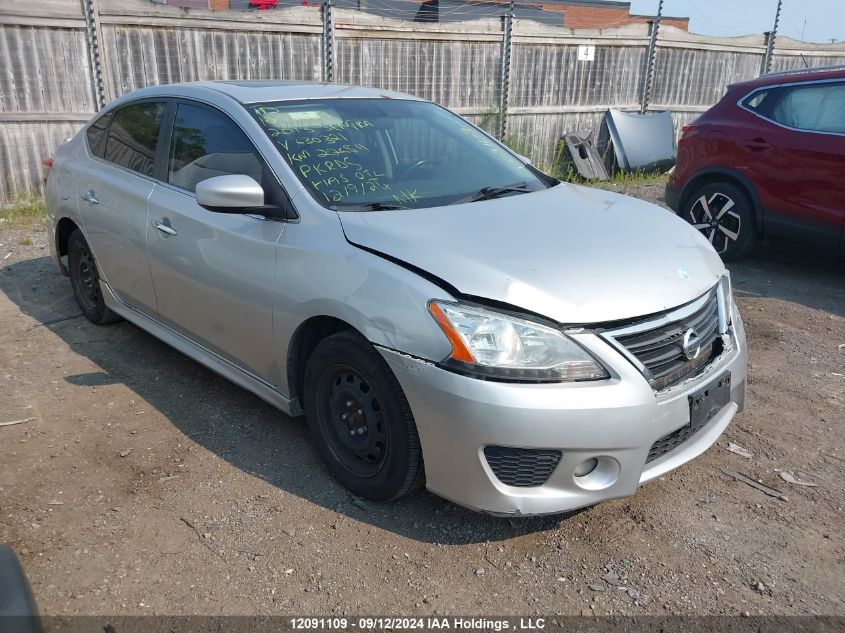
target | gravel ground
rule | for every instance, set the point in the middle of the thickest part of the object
(141, 483)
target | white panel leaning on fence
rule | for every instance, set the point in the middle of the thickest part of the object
(534, 82)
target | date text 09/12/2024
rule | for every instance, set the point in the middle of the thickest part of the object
(418, 623)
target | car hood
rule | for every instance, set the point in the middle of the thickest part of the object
(570, 253)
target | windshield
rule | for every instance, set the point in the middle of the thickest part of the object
(370, 154)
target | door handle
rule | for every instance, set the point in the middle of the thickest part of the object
(757, 145)
(164, 228)
(89, 197)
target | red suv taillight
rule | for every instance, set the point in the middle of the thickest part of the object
(688, 131)
(48, 163)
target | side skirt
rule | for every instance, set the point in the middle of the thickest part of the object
(789, 226)
(214, 362)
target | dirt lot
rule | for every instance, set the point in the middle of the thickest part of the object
(142, 483)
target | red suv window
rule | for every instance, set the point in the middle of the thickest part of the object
(814, 107)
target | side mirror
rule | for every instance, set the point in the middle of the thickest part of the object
(230, 194)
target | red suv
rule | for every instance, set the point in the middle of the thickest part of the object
(768, 159)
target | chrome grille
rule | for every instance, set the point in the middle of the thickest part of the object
(655, 345)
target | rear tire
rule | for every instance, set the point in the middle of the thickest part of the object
(360, 419)
(85, 281)
(724, 215)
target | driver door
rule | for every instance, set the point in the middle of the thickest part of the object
(214, 273)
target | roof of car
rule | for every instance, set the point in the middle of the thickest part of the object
(265, 91)
(797, 75)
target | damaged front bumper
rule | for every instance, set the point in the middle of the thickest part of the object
(614, 422)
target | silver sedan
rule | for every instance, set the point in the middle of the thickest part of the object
(442, 312)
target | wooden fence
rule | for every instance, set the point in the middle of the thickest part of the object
(49, 86)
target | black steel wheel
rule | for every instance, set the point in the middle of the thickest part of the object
(722, 212)
(360, 419)
(352, 416)
(85, 281)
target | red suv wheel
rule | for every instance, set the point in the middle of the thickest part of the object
(723, 213)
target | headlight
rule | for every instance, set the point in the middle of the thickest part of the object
(493, 345)
(726, 302)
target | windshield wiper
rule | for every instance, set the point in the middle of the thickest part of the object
(489, 193)
(369, 206)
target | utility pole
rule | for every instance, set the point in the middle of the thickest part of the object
(770, 41)
(650, 57)
(93, 36)
(328, 42)
(505, 70)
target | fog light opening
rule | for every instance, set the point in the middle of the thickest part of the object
(596, 473)
(586, 467)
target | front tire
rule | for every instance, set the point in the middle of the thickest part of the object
(85, 280)
(722, 213)
(360, 419)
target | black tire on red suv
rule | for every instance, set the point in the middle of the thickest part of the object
(724, 214)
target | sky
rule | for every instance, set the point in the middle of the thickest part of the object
(820, 20)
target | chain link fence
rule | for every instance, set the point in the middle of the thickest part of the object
(512, 69)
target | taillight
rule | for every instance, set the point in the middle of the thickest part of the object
(48, 164)
(688, 131)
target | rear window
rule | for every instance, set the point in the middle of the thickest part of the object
(756, 100)
(133, 136)
(97, 135)
(764, 101)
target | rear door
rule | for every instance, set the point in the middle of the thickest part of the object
(113, 188)
(798, 160)
(214, 273)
